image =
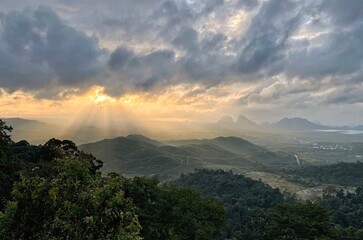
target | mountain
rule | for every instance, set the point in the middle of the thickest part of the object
(34, 131)
(232, 144)
(37, 132)
(241, 123)
(226, 121)
(22, 124)
(244, 122)
(236, 145)
(139, 155)
(141, 138)
(130, 156)
(246, 149)
(299, 124)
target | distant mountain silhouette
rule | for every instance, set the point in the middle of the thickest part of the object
(241, 123)
(20, 123)
(299, 124)
(38, 132)
(226, 121)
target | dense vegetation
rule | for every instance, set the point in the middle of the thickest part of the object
(347, 208)
(170, 213)
(293, 221)
(344, 174)
(139, 155)
(237, 193)
(55, 191)
(256, 211)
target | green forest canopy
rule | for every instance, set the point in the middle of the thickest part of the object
(56, 191)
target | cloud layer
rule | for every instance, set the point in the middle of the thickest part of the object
(297, 53)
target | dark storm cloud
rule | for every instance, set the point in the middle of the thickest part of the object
(264, 43)
(313, 45)
(187, 39)
(140, 71)
(341, 54)
(248, 4)
(339, 50)
(341, 12)
(119, 58)
(345, 95)
(38, 50)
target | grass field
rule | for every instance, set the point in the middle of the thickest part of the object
(276, 181)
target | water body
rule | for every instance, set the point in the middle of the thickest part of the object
(348, 132)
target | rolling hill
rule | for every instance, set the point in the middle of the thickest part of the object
(37, 132)
(299, 124)
(139, 155)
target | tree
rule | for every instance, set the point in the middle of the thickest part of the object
(8, 167)
(5, 138)
(166, 212)
(237, 193)
(252, 226)
(298, 221)
(72, 203)
(58, 149)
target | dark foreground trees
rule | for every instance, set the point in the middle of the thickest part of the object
(55, 191)
(71, 203)
(166, 212)
(74, 203)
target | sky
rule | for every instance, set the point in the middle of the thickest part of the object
(182, 60)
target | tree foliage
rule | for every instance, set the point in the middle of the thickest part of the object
(347, 208)
(177, 214)
(238, 193)
(344, 174)
(56, 191)
(5, 138)
(298, 221)
(72, 203)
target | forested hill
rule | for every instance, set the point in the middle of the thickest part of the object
(256, 211)
(139, 155)
(238, 193)
(56, 191)
(344, 174)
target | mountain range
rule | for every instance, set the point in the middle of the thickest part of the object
(241, 123)
(291, 124)
(37, 132)
(139, 155)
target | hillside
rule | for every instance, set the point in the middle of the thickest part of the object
(299, 124)
(78, 199)
(139, 155)
(238, 193)
(246, 149)
(343, 174)
(37, 132)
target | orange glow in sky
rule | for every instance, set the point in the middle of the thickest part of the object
(177, 103)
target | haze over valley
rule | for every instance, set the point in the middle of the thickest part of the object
(181, 119)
